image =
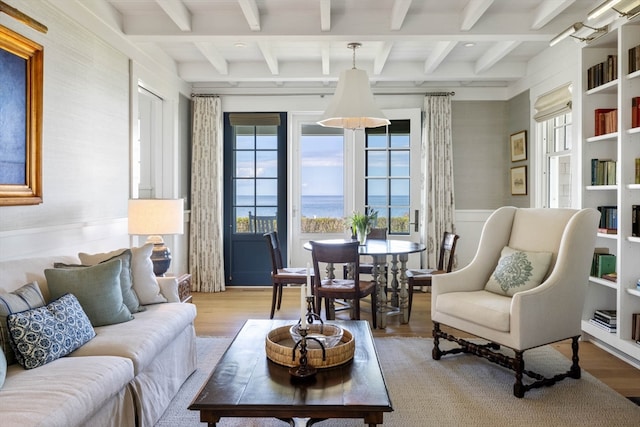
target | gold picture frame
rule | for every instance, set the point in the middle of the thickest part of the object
(519, 181)
(21, 175)
(518, 142)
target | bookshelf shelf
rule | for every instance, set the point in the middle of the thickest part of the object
(606, 137)
(619, 147)
(601, 187)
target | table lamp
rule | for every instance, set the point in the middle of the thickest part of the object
(154, 218)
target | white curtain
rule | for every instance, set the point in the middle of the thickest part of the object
(206, 238)
(438, 213)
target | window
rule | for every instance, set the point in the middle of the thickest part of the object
(556, 137)
(388, 175)
(322, 179)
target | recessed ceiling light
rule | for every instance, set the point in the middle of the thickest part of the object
(469, 44)
(240, 44)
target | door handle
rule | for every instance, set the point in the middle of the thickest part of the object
(416, 220)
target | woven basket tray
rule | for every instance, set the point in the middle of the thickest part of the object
(279, 348)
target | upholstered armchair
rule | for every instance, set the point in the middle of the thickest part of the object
(524, 288)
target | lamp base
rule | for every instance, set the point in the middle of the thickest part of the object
(160, 256)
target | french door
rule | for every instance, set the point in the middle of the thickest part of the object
(255, 184)
(335, 172)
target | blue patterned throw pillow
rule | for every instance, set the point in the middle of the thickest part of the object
(518, 271)
(44, 334)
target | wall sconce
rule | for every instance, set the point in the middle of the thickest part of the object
(570, 32)
(154, 218)
(352, 106)
(627, 8)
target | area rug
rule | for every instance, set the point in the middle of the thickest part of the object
(459, 390)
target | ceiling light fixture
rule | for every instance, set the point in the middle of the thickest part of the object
(569, 32)
(602, 8)
(352, 105)
(628, 8)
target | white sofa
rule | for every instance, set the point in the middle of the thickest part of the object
(125, 376)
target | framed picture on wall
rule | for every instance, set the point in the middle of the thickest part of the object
(518, 142)
(519, 181)
(20, 119)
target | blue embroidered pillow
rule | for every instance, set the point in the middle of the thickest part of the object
(44, 334)
(518, 271)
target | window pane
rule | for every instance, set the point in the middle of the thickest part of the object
(399, 163)
(244, 137)
(266, 137)
(400, 140)
(245, 164)
(322, 179)
(267, 164)
(245, 192)
(376, 163)
(377, 141)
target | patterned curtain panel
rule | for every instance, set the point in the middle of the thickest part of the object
(437, 187)
(206, 262)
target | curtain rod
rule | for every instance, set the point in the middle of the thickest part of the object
(193, 95)
(439, 94)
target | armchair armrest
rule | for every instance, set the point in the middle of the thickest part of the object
(169, 288)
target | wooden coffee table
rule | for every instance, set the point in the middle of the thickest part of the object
(246, 384)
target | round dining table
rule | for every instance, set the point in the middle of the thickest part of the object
(380, 250)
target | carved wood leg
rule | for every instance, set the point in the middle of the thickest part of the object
(518, 366)
(574, 371)
(404, 294)
(436, 354)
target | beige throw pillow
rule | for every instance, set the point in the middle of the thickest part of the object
(518, 271)
(145, 283)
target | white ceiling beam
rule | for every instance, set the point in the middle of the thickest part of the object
(325, 52)
(547, 10)
(381, 57)
(214, 57)
(325, 15)
(269, 57)
(472, 13)
(399, 13)
(178, 12)
(251, 13)
(495, 54)
(438, 55)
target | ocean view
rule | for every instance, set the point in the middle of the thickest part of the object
(314, 206)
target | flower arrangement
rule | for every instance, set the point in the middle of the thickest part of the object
(361, 224)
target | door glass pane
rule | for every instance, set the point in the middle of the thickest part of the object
(387, 175)
(322, 179)
(558, 155)
(255, 180)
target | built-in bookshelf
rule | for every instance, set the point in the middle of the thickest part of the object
(610, 144)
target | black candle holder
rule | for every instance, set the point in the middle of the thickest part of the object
(304, 370)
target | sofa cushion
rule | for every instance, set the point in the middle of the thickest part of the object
(491, 309)
(44, 334)
(142, 339)
(24, 298)
(3, 367)
(97, 289)
(66, 392)
(129, 296)
(145, 284)
(518, 271)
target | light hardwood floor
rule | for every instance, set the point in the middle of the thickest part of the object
(222, 314)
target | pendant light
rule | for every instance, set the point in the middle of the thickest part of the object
(352, 106)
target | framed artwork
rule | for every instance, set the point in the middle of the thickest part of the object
(519, 181)
(518, 142)
(21, 69)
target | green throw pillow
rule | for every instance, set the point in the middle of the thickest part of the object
(129, 296)
(23, 298)
(518, 271)
(97, 289)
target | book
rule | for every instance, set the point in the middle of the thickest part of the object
(637, 163)
(635, 326)
(608, 219)
(609, 314)
(612, 277)
(602, 325)
(609, 322)
(605, 121)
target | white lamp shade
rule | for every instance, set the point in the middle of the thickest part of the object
(352, 106)
(156, 216)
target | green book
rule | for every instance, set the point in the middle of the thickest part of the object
(606, 264)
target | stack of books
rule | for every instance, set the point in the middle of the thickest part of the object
(603, 263)
(603, 72)
(608, 219)
(605, 319)
(603, 172)
(635, 327)
(605, 121)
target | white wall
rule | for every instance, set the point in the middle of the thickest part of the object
(86, 139)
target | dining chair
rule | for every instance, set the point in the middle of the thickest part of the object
(281, 275)
(422, 277)
(330, 288)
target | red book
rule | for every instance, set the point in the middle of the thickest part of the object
(600, 120)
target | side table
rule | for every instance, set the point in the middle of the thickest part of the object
(184, 287)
